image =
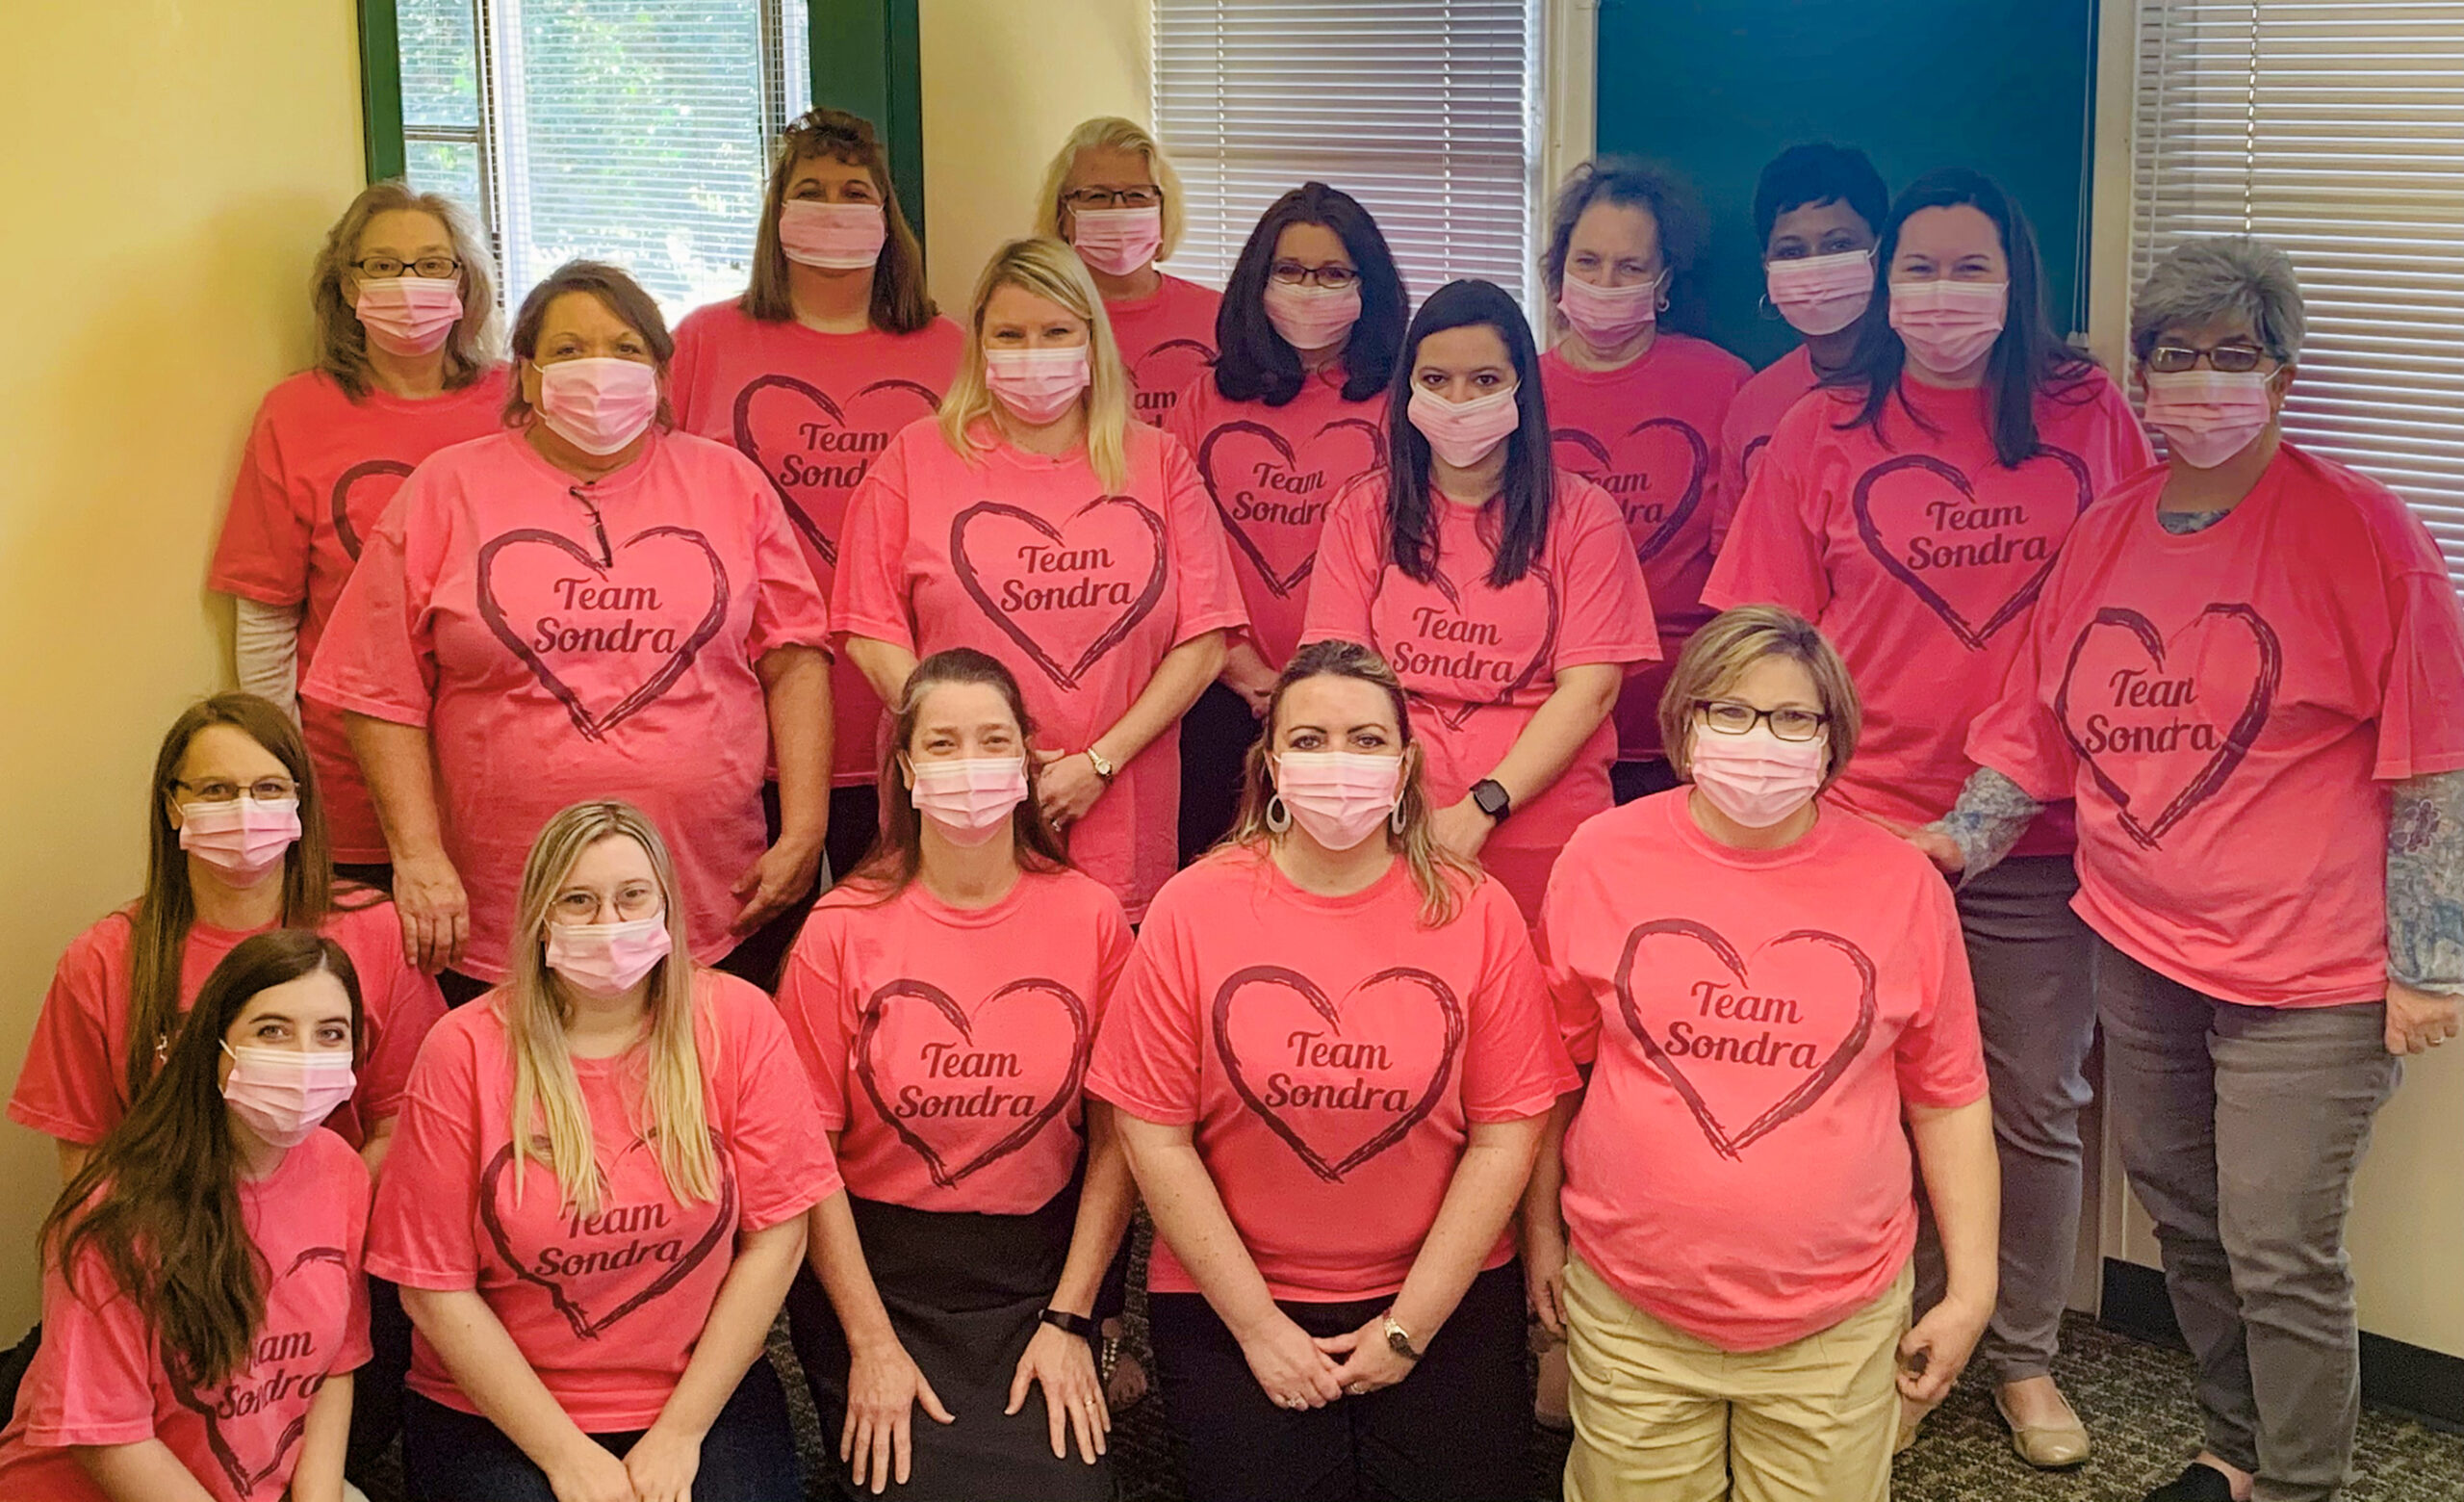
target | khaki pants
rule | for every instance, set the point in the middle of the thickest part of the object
(1662, 1415)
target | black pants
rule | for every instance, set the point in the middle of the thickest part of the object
(854, 824)
(1631, 780)
(1216, 735)
(376, 1388)
(378, 874)
(1456, 1430)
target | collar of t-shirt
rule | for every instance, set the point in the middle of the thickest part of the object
(1397, 873)
(1807, 847)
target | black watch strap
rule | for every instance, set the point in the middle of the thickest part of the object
(1078, 1325)
(1490, 796)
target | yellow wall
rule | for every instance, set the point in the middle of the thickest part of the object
(1003, 83)
(172, 168)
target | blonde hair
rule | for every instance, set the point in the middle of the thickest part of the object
(471, 350)
(900, 305)
(1441, 875)
(1112, 133)
(1717, 657)
(1052, 271)
(536, 1012)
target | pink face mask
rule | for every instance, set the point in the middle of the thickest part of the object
(1038, 385)
(607, 959)
(409, 315)
(1340, 798)
(1463, 433)
(969, 799)
(242, 839)
(1608, 316)
(1756, 779)
(1312, 318)
(283, 1095)
(1116, 242)
(2209, 416)
(1822, 294)
(1948, 326)
(598, 404)
(837, 237)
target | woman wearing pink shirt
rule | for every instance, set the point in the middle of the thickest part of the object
(1112, 194)
(584, 605)
(1294, 406)
(1504, 591)
(2246, 669)
(945, 997)
(1772, 1003)
(833, 348)
(1912, 509)
(1635, 406)
(406, 363)
(1330, 1061)
(598, 1202)
(1037, 522)
(203, 1310)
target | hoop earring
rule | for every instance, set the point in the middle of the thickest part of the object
(1278, 818)
(1395, 820)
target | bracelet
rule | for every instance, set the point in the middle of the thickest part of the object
(1062, 1320)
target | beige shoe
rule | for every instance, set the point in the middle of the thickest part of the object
(2047, 1446)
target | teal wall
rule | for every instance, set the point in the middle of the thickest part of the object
(866, 61)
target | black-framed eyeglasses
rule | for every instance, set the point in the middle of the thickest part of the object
(218, 790)
(1147, 196)
(2173, 360)
(1732, 718)
(385, 268)
(1333, 277)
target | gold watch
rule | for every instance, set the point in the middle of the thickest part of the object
(1103, 767)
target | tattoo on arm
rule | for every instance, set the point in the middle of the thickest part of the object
(1992, 815)
(2425, 883)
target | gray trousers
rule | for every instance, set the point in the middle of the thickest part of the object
(2036, 1006)
(2241, 1129)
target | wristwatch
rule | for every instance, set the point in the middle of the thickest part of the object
(1062, 1320)
(1103, 767)
(1491, 798)
(1399, 1339)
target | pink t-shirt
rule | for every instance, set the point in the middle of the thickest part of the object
(1080, 592)
(1273, 471)
(812, 409)
(316, 477)
(1754, 1022)
(1332, 1056)
(1649, 435)
(75, 1083)
(98, 1377)
(561, 641)
(1478, 660)
(1167, 339)
(1919, 557)
(1754, 416)
(948, 1046)
(605, 1307)
(2225, 707)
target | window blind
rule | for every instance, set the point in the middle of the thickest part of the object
(2336, 131)
(1426, 110)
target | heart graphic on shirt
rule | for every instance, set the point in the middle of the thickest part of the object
(1463, 632)
(1086, 584)
(1976, 564)
(1275, 488)
(980, 1052)
(1340, 1083)
(1158, 375)
(359, 498)
(585, 1324)
(1749, 459)
(599, 610)
(245, 1478)
(1659, 483)
(1701, 1057)
(2130, 723)
(828, 443)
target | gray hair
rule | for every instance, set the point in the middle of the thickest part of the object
(2217, 275)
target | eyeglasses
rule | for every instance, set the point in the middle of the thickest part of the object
(1333, 277)
(217, 789)
(1141, 198)
(2174, 359)
(1731, 718)
(384, 268)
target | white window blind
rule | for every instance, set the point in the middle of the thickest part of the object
(1426, 110)
(2336, 131)
(631, 131)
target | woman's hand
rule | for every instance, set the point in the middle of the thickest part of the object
(1247, 674)
(1544, 1273)
(1931, 842)
(783, 872)
(1370, 1362)
(1932, 1354)
(590, 1474)
(1073, 1394)
(2418, 1021)
(1289, 1366)
(883, 1386)
(435, 913)
(662, 1464)
(1069, 786)
(1462, 828)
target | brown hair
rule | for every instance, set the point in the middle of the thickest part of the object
(901, 305)
(157, 1205)
(1438, 873)
(341, 344)
(621, 295)
(897, 852)
(1677, 211)
(1718, 654)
